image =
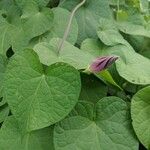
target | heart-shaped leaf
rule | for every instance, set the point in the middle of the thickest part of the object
(110, 128)
(40, 96)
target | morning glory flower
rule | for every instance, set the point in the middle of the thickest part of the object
(101, 63)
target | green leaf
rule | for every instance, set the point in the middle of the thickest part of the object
(97, 48)
(134, 23)
(134, 68)
(37, 23)
(88, 16)
(61, 18)
(20, 39)
(92, 89)
(140, 108)
(33, 23)
(107, 77)
(53, 28)
(131, 66)
(34, 92)
(48, 54)
(134, 29)
(109, 34)
(11, 137)
(109, 129)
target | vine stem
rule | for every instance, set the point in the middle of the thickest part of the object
(69, 25)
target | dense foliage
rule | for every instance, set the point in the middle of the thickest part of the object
(75, 75)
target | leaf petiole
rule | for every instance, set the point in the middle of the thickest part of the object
(60, 46)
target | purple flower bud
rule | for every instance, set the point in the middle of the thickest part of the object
(101, 63)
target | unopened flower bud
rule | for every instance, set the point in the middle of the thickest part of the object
(101, 63)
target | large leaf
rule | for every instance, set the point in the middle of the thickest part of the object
(131, 66)
(48, 54)
(11, 137)
(39, 96)
(110, 128)
(140, 110)
(88, 15)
